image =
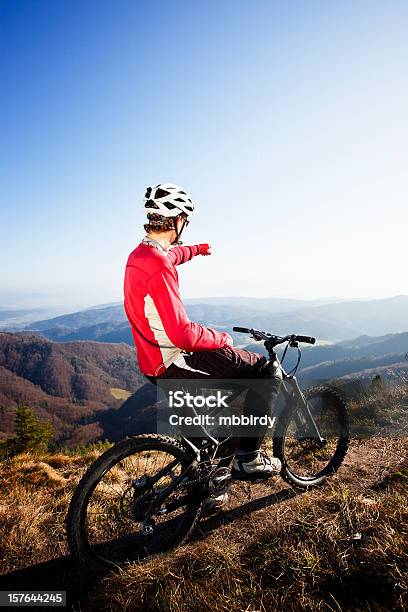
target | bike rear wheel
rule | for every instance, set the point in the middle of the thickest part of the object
(110, 519)
(306, 460)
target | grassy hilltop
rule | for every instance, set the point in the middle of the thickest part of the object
(340, 547)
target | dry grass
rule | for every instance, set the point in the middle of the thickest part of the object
(381, 411)
(341, 551)
(35, 493)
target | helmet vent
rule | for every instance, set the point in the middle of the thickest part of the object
(169, 205)
(151, 204)
(161, 193)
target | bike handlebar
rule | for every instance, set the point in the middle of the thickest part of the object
(307, 339)
(258, 335)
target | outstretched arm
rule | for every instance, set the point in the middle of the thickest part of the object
(181, 254)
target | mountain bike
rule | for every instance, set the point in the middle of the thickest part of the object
(146, 494)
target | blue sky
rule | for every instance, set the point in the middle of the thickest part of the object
(287, 122)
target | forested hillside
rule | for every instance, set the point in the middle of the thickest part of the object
(69, 384)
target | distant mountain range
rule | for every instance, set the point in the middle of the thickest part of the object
(377, 327)
(361, 358)
(270, 305)
(18, 318)
(334, 322)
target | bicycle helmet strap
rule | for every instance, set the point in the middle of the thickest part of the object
(177, 240)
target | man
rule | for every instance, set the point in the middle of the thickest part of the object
(168, 344)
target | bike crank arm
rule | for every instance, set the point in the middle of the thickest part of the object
(186, 500)
(161, 496)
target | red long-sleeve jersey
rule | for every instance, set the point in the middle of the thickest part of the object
(160, 326)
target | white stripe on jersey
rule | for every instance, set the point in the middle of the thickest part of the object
(168, 351)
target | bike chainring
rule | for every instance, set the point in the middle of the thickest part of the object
(219, 481)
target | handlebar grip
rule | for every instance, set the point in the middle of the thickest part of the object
(242, 330)
(307, 339)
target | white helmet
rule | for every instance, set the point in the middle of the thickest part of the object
(168, 200)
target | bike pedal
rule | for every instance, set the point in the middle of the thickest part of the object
(214, 504)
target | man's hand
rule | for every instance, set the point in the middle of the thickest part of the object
(229, 340)
(204, 249)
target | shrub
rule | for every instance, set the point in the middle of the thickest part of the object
(31, 434)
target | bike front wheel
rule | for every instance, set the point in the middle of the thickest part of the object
(114, 516)
(308, 459)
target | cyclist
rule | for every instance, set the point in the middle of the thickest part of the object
(168, 344)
